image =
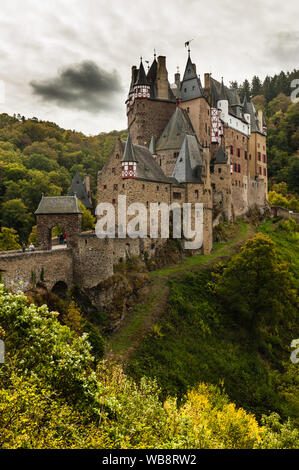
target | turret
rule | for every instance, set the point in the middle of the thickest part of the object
(222, 103)
(142, 85)
(129, 161)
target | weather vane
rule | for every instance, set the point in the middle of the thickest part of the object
(187, 43)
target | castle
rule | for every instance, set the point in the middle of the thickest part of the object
(188, 142)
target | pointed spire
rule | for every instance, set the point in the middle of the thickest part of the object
(222, 95)
(141, 77)
(129, 153)
(246, 109)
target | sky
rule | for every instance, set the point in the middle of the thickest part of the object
(69, 61)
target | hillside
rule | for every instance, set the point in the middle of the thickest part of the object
(192, 317)
(40, 157)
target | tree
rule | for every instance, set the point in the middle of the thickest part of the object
(16, 215)
(88, 220)
(255, 287)
(9, 239)
(256, 86)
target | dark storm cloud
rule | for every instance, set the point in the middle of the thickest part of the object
(83, 86)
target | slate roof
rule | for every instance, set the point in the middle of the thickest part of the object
(141, 77)
(174, 133)
(58, 205)
(129, 152)
(254, 122)
(147, 168)
(189, 163)
(78, 188)
(191, 86)
(221, 157)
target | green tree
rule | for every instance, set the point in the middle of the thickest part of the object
(255, 287)
(9, 239)
(88, 220)
(16, 215)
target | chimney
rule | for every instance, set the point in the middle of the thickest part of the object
(260, 118)
(87, 186)
(162, 79)
(177, 80)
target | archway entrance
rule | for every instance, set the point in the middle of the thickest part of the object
(60, 289)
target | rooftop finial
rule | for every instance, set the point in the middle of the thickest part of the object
(187, 43)
(155, 55)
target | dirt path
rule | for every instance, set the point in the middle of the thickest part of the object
(145, 315)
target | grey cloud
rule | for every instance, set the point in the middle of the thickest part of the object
(83, 86)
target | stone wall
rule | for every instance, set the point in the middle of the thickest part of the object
(23, 270)
(148, 118)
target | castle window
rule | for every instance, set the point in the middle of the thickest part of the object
(143, 186)
(246, 155)
(105, 186)
(113, 201)
(219, 170)
(115, 187)
(166, 189)
(264, 158)
(117, 156)
(177, 195)
(259, 156)
(196, 193)
(239, 168)
(250, 156)
(188, 109)
(231, 149)
(113, 171)
(123, 186)
(265, 171)
(157, 188)
(260, 170)
(239, 152)
(175, 154)
(185, 89)
(147, 204)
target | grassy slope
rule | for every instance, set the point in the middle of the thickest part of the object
(178, 337)
(125, 340)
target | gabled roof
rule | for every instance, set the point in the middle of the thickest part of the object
(189, 163)
(141, 77)
(221, 157)
(78, 189)
(58, 205)
(174, 133)
(147, 168)
(129, 153)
